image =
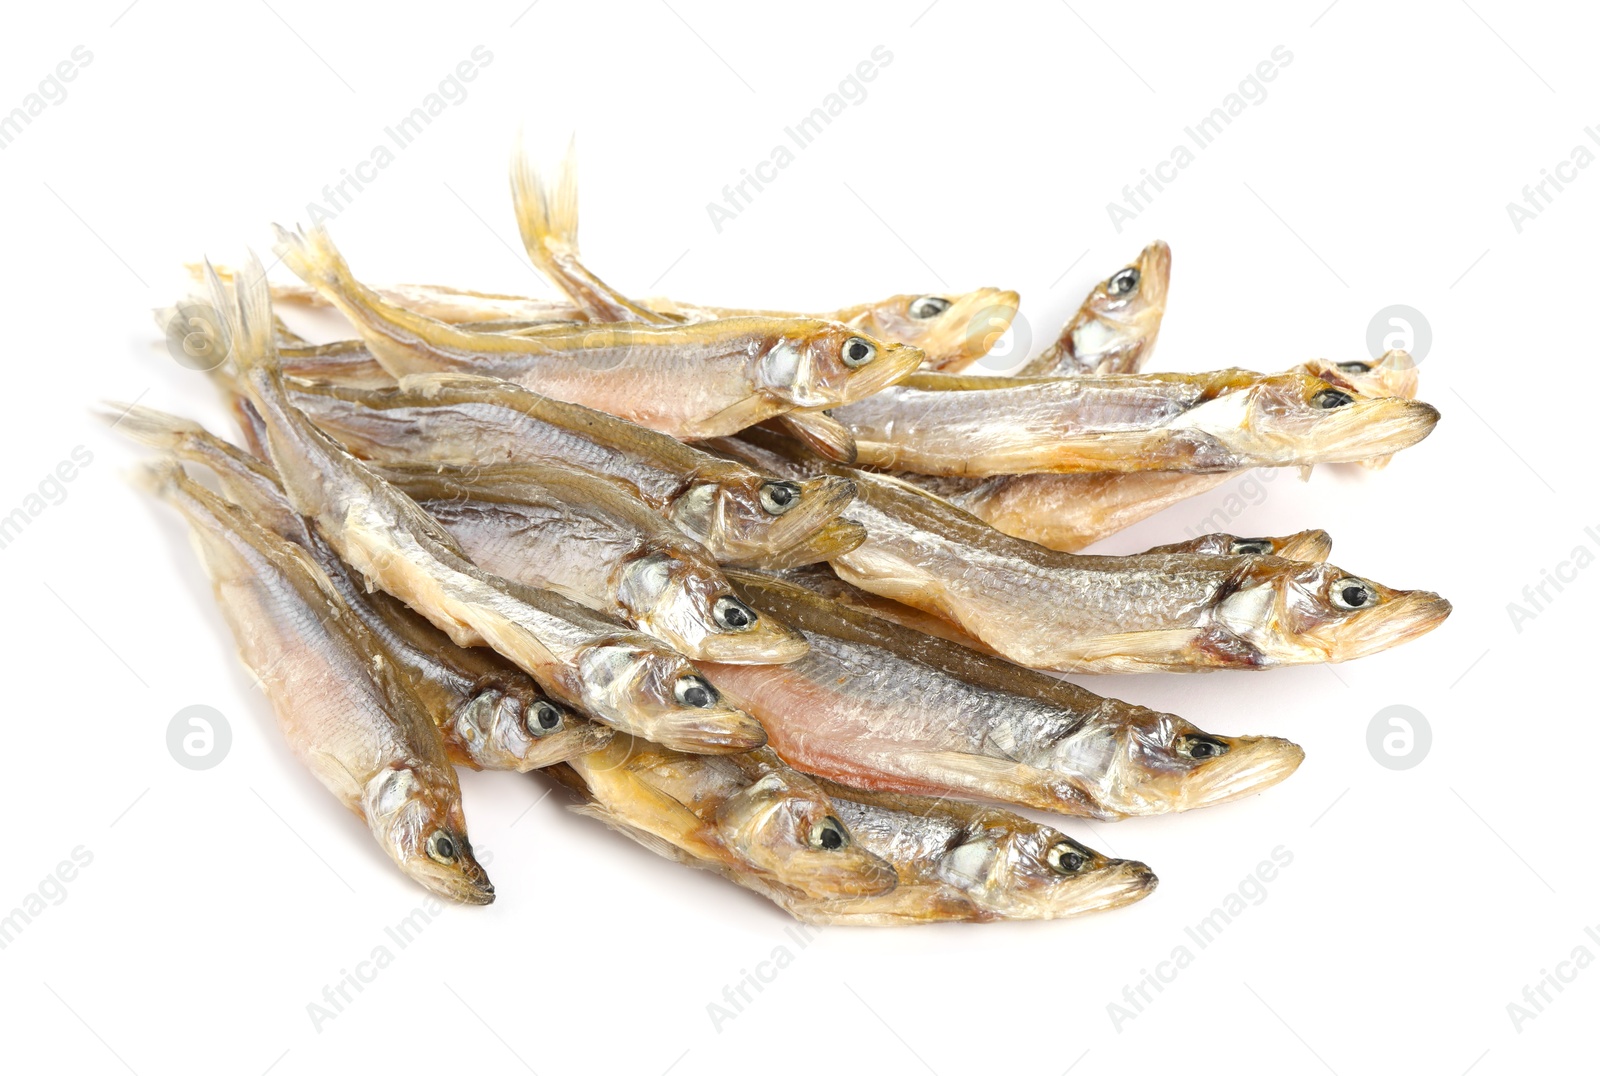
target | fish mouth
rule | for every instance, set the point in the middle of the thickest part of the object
(895, 363)
(1311, 547)
(568, 744)
(1119, 883)
(722, 730)
(1253, 763)
(1376, 428)
(1406, 615)
(858, 874)
(468, 885)
(1155, 272)
(822, 500)
(967, 331)
(768, 643)
(835, 539)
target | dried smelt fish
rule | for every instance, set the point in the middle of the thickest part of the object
(881, 707)
(701, 380)
(961, 862)
(618, 675)
(346, 714)
(491, 714)
(1070, 511)
(739, 514)
(1114, 330)
(593, 540)
(748, 817)
(1226, 420)
(1174, 612)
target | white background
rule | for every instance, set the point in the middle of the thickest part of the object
(1419, 903)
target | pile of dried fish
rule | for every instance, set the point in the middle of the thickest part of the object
(773, 594)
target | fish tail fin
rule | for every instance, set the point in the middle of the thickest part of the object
(295, 294)
(547, 214)
(311, 256)
(163, 478)
(147, 426)
(246, 317)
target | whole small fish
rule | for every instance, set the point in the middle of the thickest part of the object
(880, 707)
(691, 381)
(593, 540)
(1311, 547)
(491, 714)
(748, 817)
(739, 514)
(620, 676)
(348, 717)
(1226, 420)
(1043, 609)
(1114, 330)
(1070, 511)
(962, 862)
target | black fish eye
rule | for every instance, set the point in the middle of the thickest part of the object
(778, 497)
(828, 834)
(1066, 858)
(1250, 547)
(546, 718)
(1353, 593)
(1328, 399)
(929, 306)
(694, 691)
(857, 352)
(1123, 282)
(1356, 367)
(1201, 748)
(441, 847)
(733, 614)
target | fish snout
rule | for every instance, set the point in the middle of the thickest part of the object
(1252, 763)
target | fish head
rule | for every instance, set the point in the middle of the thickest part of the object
(784, 825)
(685, 600)
(1314, 421)
(1121, 317)
(818, 364)
(1338, 616)
(420, 823)
(1158, 763)
(1394, 373)
(1023, 870)
(744, 515)
(515, 726)
(640, 684)
(952, 331)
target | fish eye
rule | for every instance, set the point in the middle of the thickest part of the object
(929, 306)
(1250, 547)
(694, 691)
(1124, 282)
(1201, 748)
(1066, 858)
(857, 352)
(544, 718)
(1328, 399)
(733, 614)
(441, 847)
(828, 834)
(1353, 593)
(778, 497)
(1355, 367)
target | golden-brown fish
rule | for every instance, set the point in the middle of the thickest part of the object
(1114, 330)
